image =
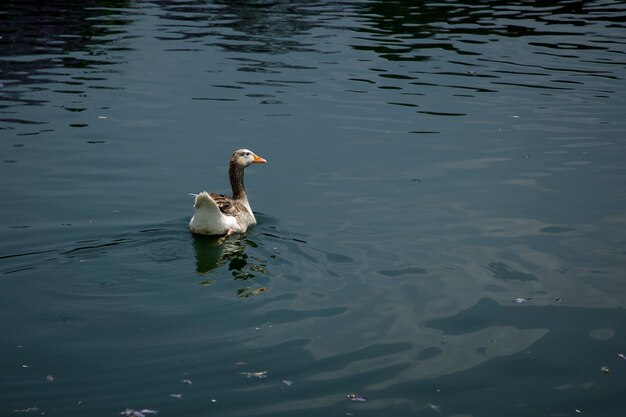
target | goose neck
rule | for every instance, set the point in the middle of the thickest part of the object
(235, 173)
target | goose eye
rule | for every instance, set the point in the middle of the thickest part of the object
(247, 153)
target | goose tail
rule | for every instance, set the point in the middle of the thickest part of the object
(208, 219)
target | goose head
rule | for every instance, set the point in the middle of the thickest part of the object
(244, 158)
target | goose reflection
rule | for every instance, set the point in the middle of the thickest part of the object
(213, 253)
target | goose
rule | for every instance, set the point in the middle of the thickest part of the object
(218, 214)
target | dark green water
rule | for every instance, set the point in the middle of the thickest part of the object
(429, 163)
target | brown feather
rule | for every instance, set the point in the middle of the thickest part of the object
(228, 205)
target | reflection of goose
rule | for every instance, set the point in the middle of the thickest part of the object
(213, 252)
(218, 214)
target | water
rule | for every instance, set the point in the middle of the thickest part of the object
(429, 163)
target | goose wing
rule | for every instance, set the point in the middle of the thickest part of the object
(225, 203)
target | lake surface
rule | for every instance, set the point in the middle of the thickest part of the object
(441, 224)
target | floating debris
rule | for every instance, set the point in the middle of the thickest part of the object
(558, 300)
(357, 398)
(186, 381)
(50, 378)
(177, 396)
(434, 407)
(25, 366)
(621, 355)
(27, 410)
(522, 300)
(287, 382)
(260, 375)
(135, 413)
(605, 369)
(259, 290)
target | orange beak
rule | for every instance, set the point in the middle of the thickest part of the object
(258, 159)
